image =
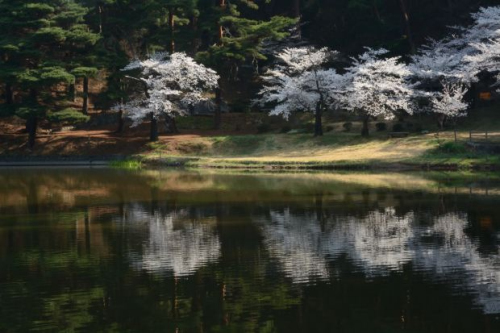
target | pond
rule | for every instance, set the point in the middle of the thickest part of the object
(102, 250)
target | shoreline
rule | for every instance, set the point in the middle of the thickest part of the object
(200, 163)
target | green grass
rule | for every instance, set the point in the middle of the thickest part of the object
(127, 164)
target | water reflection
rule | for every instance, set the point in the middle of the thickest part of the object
(173, 243)
(106, 250)
(382, 242)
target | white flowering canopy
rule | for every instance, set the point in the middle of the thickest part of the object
(462, 55)
(299, 83)
(377, 86)
(450, 102)
(172, 84)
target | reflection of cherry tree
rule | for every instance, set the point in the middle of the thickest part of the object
(382, 242)
(458, 256)
(296, 245)
(174, 243)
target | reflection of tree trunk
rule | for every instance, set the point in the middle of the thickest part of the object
(218, 108)
(153, 135)
(9, 94)
(319, 210)
(85, 108)
(32, 198)
(87, 230)
(154, 200)
(406, 17)
(366, 129)
(318, 124)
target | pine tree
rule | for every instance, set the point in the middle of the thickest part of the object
(40, 39)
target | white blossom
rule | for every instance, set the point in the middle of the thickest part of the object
(377, 87)
(450, 101)
(170, 85)
(299, 83)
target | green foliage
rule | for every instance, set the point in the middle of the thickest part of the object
(347, 126)
(27, 111)
(127, 164)
(68, 115)
(453, 148)
(381, 127)
(85, 71)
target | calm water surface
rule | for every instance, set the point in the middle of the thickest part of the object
(114, 251)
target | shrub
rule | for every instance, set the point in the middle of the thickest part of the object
(263, 128)
(285, 129)
(398, 127)
(381, 127)
(309, 128)
(329, 128)
(453, 148)
(68, 115)
(347, 126)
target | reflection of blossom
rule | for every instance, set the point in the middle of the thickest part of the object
(293, 242)
(458, 256)
(382, 242)
(379, 241)
(182, 249)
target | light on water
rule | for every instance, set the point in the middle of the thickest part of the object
(104, 250)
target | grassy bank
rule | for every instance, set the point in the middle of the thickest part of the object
(335, 150)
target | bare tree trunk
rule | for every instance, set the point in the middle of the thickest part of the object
(31, 126)
(365, 131)
(85, 107)
(9, 94)
(153, 135)
(222, 5)
(71, 92)
(171, 124)
(218, 109)
(406, 17)
(120, 121)
(318, 123)
(171, 24)
(296, 8)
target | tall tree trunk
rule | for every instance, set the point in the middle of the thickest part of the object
(195, 44)
(171, 124)
(9, 94)
(365, 131)
(318, 122)
(171, 24)
(218, 109)
(153, 135)
(222, 5)
(297, 14)
(120, 121)
(296, 8)
(71, 92)
(31, 126)
(85, 108)
(406, 17)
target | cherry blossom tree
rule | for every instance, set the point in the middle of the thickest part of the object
(377, 87)
(301, 83)
(449, 103)
(170, 85)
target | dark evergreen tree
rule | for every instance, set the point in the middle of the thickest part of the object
(40, 40)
